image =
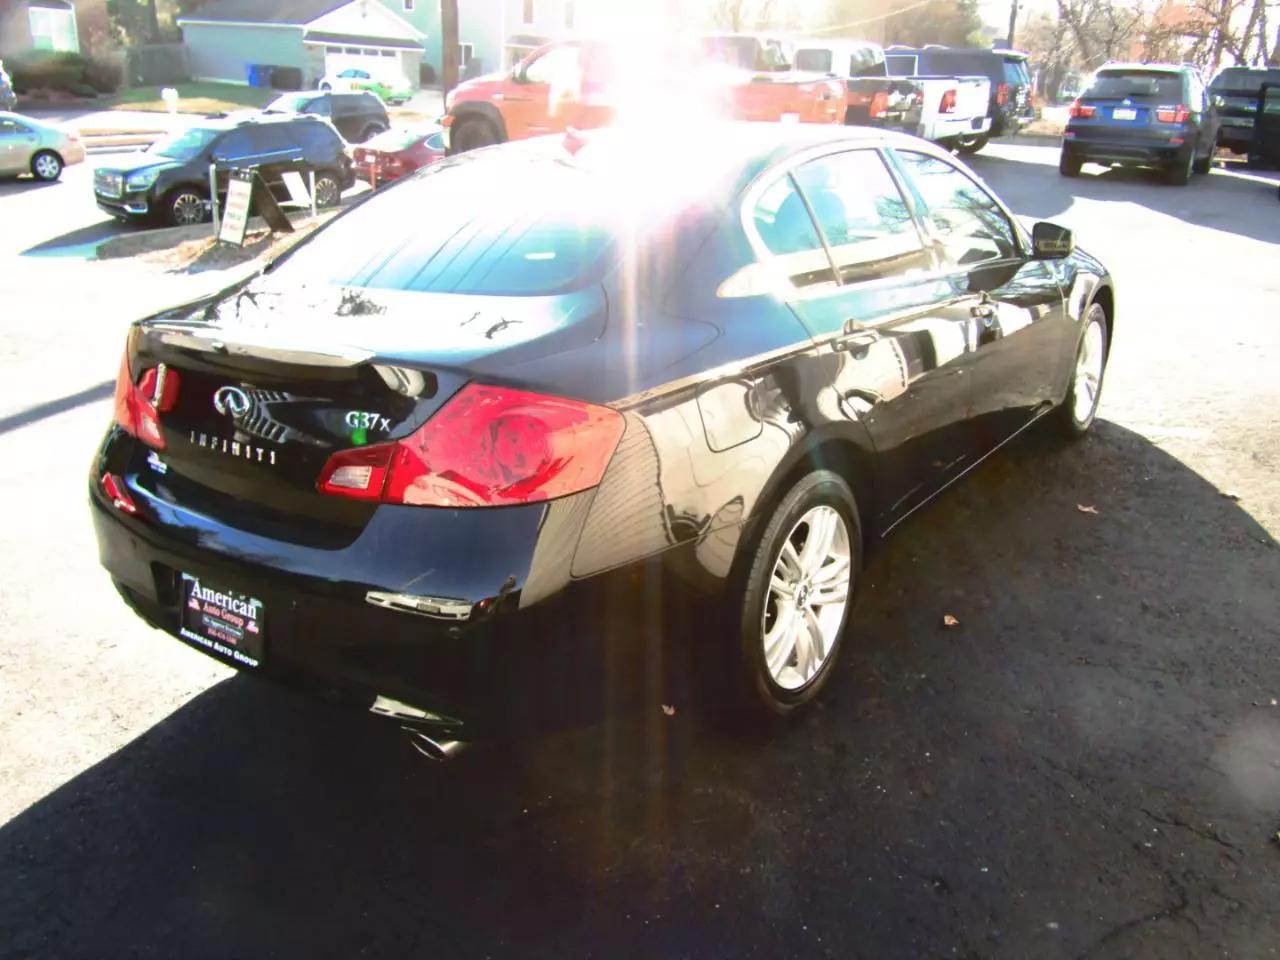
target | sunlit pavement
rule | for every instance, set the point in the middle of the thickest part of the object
(1089, 764)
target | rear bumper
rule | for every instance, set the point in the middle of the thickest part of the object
(944, 129)
(1098, 146)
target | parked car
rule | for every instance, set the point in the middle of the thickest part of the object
(1235, 92)
(1142, 114)
(1265, 148)
(947, 110)
(357, 116)
(391, 88)
(30, 146)
(584, 84)
(169, 181)
(396, 153)
(477, 398)
(1009, 106)
(8, 99)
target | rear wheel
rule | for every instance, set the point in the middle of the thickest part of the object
(185, 206)
(1179, 174)
(46, 165)
(795, 604)
(1078, 410)
(473, 134)
(1203, 164)
(971, 145)
(1069, 163)
(328, 191)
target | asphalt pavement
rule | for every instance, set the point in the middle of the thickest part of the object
(1087, 765)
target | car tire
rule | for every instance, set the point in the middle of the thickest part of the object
(1080, 406)
(1203, 165)
(971, 145)
(185, 206)
(371, 131)
(1069, 163)
(1179, 174)
(473, 134)
(46, 165)
(326, 88)
(328, 190)
(783, 662)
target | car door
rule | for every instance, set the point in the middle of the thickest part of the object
(1022, 326)
(17, 143)
(541, 94)
(874, 295)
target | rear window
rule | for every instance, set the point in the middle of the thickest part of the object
(1118, 84)
(313, 135)
(949, 62)
(465, 228)
(1015, 71)
(816, 61)
(900, 65)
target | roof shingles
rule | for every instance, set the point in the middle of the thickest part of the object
(257, 11)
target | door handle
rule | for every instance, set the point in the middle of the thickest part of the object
(986, 312)
(857, 343)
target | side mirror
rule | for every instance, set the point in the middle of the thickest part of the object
(1052, 242)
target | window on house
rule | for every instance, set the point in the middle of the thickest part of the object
(568, 14)
(528, 11)
(465, 52)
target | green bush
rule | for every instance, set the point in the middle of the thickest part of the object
(102, 75)
(44, 69)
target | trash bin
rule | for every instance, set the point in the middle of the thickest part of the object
(258, 74)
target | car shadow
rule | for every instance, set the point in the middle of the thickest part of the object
(1228, 199)
(82, 243)
(1032, 781)
(11, 185)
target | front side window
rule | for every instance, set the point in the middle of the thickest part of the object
(862, 215)
(969, 224)
(557, 67)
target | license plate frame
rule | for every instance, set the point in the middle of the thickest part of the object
(225, 622)
(1124, 113)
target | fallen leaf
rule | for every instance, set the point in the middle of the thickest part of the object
(949, 621)
(668, 710)
(1231, 494)
(1086, 509)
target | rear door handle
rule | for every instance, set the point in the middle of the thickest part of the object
(856, 342)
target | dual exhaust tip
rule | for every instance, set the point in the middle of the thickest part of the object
(424, 729)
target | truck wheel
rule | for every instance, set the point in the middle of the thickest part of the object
(1069, 163)
(473, 134)
(971, 145)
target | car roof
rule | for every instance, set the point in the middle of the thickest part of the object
(1170, 68)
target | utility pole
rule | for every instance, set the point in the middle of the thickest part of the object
(449, 45)
(1013, 24)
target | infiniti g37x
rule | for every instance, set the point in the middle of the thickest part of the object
(474, 394)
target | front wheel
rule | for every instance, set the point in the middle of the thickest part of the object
(1080, 407)
(472, 135)
(46, 165)
(797, 595)
(1069, 163)
(185, 206)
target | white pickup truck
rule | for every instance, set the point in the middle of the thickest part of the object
(946, 110)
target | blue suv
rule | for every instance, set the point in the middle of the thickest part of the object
(1142, 114)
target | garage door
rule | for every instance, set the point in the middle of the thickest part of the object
(377, 62)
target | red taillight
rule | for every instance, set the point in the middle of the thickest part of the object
(486, 447)
(1178, 114)
(879, 104)
(137, 412)
(1082, 111)
(1002, 94)
(115, 489)
(948, 102)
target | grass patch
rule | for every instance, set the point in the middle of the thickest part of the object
(197, 98)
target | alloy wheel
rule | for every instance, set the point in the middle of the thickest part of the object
(47, 166)
(188, 208)
(1088, 375)
(808, 590)
(326, 191)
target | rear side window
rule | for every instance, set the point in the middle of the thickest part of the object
(867, 62)
(1015, 71)
(320, 106)
(959, 63)
(969, 223)
(863, 216)
(314, 136)
(369, 102)
(787, 230)
(1118, 84)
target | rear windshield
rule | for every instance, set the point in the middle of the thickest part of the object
(463, 227)
(816, 61)
(1240, 78)
(1117, 85)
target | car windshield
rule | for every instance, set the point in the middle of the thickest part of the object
(185, 145)
(289, 103)
(1239, 78)
(1136, 83)
(464, 230)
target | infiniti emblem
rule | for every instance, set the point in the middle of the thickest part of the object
(231, 400)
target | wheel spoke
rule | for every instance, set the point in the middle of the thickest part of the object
(835, 573)
(781, 641)
(817, 545)
(781, 588)
(817, 642)
(805, 653)
(791, 560)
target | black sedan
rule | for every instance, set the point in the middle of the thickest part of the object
(475, 394)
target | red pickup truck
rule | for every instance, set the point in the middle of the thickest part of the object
(585, 84)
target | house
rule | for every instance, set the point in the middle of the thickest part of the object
(225, 38)
(38, 25)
